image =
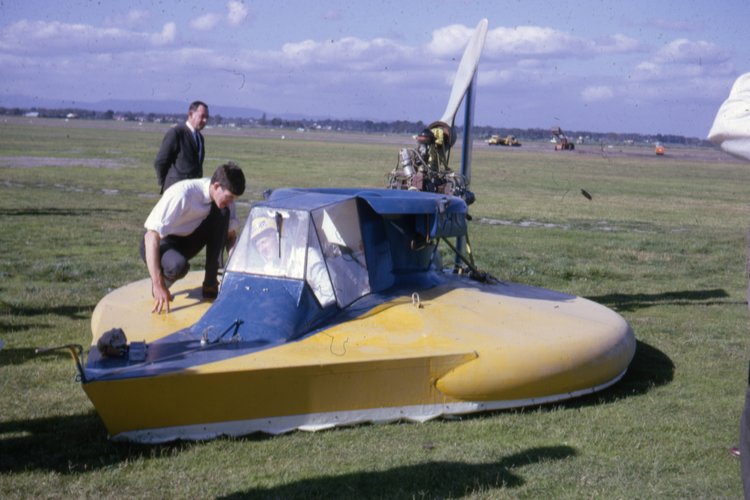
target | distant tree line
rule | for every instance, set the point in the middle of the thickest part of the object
(362, 126)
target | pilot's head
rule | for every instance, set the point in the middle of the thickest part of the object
(264, 238)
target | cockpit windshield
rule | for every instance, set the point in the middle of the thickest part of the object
(272, 244)
(324, 248)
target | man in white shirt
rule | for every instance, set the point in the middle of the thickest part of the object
(192, 214)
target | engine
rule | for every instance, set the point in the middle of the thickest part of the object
(425, 167)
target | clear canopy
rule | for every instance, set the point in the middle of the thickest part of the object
(324, 247)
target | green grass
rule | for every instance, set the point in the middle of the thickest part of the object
(662, 242)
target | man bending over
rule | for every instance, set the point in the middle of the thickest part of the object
(190, 215)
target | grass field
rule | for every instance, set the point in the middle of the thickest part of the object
(662, 242)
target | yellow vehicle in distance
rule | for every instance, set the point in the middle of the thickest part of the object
(509, 140)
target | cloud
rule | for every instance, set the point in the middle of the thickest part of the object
(167, 35)
(347, 64)
(685, 51)
(528, 41)
(55, 37)
(683, 60)
(534, 41)
(347, 52)
(236, 12)
(205, 22)
(680, 70)
(450, 40)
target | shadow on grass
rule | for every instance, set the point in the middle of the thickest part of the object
(7, 327)
(77, 444)
(631, 302)
(72, 312)
(70, 445)
(650, 368)
(44, 211)
(19, 356)
(431, 479)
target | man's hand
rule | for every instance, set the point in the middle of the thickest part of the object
(162, 297)
(159, 290)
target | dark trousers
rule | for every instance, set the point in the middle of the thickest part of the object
(176, 251)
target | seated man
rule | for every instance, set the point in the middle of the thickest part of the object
(289, 259)
(265, 239)
(192, 214)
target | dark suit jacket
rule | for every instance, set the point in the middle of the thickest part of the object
(178, 157)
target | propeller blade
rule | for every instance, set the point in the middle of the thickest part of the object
(731, 128)
(466, 70)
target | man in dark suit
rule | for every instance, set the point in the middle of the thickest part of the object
(183, 149)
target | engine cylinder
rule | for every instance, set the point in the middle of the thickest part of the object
(406, 162)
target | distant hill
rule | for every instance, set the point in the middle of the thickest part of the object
(175, 111)
(125, 105)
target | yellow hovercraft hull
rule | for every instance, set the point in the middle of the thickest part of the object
(445, 351)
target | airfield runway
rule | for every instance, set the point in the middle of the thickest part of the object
(645, 151)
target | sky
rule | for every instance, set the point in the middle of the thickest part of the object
(641, 66)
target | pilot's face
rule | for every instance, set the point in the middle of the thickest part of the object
(268, 246)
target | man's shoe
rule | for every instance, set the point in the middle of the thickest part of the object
(210, 291)
(735, 452)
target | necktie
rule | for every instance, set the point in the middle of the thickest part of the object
(197, 137)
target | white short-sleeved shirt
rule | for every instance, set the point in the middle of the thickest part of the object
(183, 207)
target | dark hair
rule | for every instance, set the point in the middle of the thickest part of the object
(230, 176)
(197, 104)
